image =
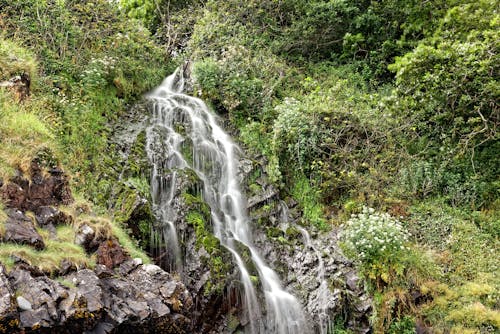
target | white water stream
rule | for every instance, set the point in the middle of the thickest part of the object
(185, 134)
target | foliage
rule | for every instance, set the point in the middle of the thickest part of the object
(447, 91)
(93, 63)
(239, 81)
(377, 242)
(15, 60)
(308, 197)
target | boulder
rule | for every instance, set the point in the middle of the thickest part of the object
(135, 298)
(50, 216)
(111, 254)
(20, 229)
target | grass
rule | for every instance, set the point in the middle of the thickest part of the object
(465, 297)
(307, 196)
(48, 260)
(105, 228)
(128, 243)
(15, 60)
(22, 135)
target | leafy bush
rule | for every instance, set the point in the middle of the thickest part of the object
(295, 135)
(446, 86)
(377, 242)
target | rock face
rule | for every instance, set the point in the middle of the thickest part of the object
(134, 298)
(215, 288)
(314, 269)
(208, 271)
(29, 195)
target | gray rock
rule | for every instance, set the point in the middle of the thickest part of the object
(23, 304)
(20, 229)
(85, 236)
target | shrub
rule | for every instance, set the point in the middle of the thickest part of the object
(377, 242)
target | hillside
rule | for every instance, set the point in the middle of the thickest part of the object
(374, 123)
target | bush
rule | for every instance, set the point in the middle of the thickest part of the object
(377, 242)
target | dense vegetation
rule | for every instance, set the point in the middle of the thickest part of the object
(383, 110)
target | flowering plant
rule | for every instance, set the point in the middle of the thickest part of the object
(377, 242)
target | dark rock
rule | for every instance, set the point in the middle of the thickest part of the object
(48, 215)
(66, 267)
(422, 328)
(111, 254)
(269, 193)
(20, 229)
(44, 296)
(24, 195)
(103, 272)
(9, 318)
(352, 280)
(129, 265)
(14, 195)
(85, 237)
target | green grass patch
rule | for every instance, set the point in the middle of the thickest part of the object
(49, 259)
(15, 60)
(129, 244)
(308, 197)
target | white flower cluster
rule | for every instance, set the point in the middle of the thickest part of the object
(97, 70)
(371, 236)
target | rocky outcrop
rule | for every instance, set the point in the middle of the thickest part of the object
(314, 270)
(20, 229)
(134, 298)
(29, 194)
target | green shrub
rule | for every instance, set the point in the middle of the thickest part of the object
(377, 242)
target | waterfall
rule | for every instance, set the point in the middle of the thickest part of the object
(181, 121)
(322, 291)
(320, 296)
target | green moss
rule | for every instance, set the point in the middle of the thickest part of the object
(219, 260)
(128, 243)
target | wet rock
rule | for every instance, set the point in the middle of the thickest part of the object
(329, 288)
(111, 254)
(20, 229)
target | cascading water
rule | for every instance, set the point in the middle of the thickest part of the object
(322, 291)
(185, 134)
(320, 296)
